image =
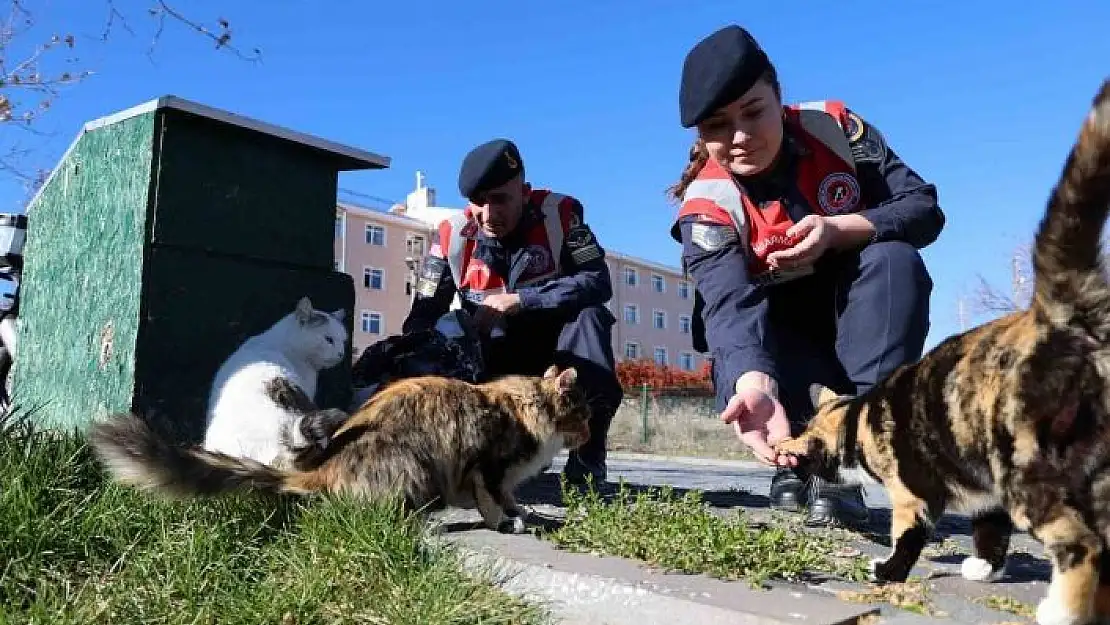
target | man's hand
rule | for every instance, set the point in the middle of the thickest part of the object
(495, 307)
(814, 234)
(760, 422)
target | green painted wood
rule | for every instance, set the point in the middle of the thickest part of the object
(82, 277)
(232, 190)
(160, 243)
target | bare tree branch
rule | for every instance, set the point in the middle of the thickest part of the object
(987, 299)
(33, 77)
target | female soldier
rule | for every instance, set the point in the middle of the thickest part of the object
(800, 227)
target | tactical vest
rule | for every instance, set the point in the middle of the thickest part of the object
(475, 280)
(825, 176)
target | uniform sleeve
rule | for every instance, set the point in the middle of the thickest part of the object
(902, 206)
(735, 310)
(435, 288)
(586, 281)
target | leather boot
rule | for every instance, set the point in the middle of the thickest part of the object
(787, 491)
(834, 505)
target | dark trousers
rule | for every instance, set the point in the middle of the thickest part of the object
(534, 341)
(850, 324)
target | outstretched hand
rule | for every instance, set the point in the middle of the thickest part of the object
(760, 422)
(814, 234)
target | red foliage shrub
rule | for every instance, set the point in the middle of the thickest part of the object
(633, 374)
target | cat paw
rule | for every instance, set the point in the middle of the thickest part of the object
(874, 568)
(793, 446)
(1052, 611)
(511, 525)
(978, 570)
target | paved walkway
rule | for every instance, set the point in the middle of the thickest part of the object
(583, 588)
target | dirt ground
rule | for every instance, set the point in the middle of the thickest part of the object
(675, 427)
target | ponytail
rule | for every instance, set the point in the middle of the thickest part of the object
(699, 155)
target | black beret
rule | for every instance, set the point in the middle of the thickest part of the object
(489, 165)
(719, 69)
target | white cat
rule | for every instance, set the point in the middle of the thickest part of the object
(268, 383)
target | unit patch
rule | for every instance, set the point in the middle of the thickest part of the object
(582, 244)
(539, 261)
(855, 128)
(839, 192)
(712, 237)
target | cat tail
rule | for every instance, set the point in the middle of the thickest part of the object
(137, 456)
(1069, 283)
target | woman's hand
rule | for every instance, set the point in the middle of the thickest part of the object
(758, 418)
(814, 234)
(818, 234)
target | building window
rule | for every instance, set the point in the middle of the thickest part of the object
(414, 246)
(631, 314)
(338, 226)
(375, 235)
(684, 289)
(661, 356)
(373, 278)
(631, 350)
(658, 284)
(631, 276)
(408, 286)
(684, 324)
(659, 319)
(686, 361)
(371, 322)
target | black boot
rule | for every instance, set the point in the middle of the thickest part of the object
(834, 505)
(585, 466)
(787, 490)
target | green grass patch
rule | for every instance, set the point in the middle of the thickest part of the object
(682, 534)
(76, 549)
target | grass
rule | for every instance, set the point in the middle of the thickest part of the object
(675, 427)
(75, 549)
(682, 534)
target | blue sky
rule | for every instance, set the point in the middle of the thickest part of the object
(981, 98)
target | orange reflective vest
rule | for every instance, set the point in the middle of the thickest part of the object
(825, 176)
(475, 280)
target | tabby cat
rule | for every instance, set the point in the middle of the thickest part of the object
(438, 441)
(1009, 421)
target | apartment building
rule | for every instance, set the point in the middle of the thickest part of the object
(382, 248)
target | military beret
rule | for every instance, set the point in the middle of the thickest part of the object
(719, 69)
(489, 165)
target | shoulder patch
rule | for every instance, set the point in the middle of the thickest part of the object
(855, 127)
(867, 143)
(711, 237)
(582, 244)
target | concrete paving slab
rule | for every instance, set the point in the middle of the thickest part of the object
(583, 588)
(737, 485)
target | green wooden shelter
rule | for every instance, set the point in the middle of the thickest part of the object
(167, 234)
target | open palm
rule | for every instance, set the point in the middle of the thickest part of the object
(760, 422)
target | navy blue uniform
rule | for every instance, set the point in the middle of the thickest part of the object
(562, 321)
(849, 324)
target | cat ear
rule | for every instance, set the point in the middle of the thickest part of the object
(567, 379)
(340, 315)
(819, 394)
(551, 372)
(304, 310)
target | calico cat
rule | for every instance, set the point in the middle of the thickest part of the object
(1009, 421)
(263, 391)
(439, 441)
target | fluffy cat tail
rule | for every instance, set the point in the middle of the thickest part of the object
(1067, 256)
(135, 455)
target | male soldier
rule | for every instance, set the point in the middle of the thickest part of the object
(530, 270)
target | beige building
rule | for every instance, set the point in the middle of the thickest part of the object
(382, 250)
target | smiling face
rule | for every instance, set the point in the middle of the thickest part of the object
(746, 134)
